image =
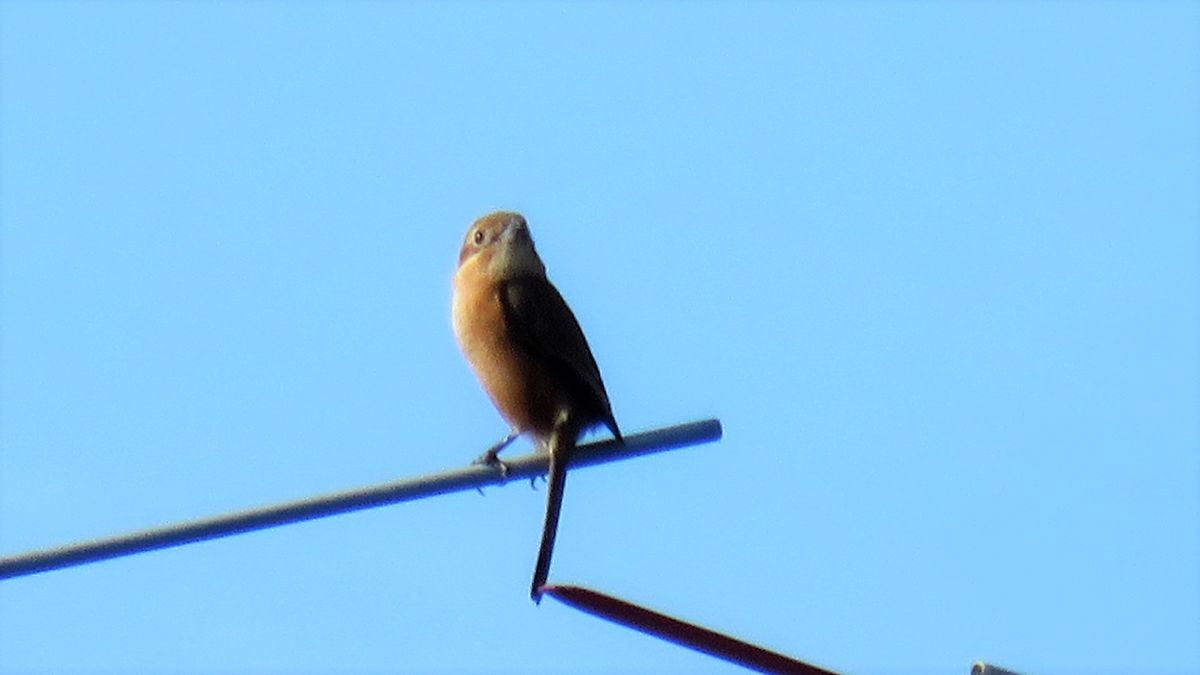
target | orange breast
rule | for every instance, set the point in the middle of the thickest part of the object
(522, 390)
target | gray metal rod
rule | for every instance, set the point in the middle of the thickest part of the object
(468, 477)
(981, 668)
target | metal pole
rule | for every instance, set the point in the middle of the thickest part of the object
(469, 477)
(681, 632)
(981, 668)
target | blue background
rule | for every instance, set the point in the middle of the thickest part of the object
(934, 265)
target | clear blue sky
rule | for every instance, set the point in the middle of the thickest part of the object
(933, 265)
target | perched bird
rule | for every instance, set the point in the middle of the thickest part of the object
(528, 352)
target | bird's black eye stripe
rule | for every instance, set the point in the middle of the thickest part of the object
(478, 236)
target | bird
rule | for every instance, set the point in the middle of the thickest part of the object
(526, 348)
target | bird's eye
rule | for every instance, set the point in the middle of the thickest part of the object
(478, 237)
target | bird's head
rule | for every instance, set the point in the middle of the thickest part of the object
(499, 245)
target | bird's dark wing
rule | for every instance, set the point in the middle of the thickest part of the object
(539, 320)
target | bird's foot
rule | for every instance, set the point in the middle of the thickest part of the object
(492, 458)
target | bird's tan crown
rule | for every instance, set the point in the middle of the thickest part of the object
(499, 245)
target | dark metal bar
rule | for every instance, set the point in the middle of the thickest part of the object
(468, 477)
(680, 632)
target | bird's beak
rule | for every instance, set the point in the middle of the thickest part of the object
(517, 231)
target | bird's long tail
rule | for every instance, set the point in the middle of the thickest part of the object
(562, 443)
